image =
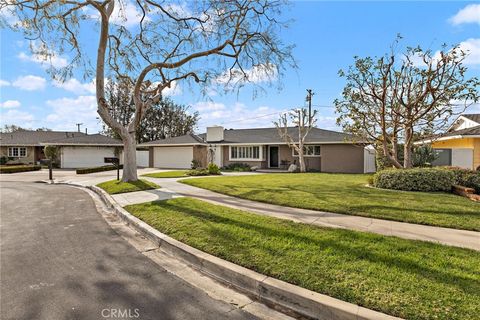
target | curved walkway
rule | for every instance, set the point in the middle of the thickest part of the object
(453, 237)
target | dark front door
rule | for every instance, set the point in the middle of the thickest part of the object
(273, 157)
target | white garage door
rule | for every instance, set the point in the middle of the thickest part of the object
(172, 157)
(462, 158)
(84, 157)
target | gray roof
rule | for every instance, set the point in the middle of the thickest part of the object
(256, 136)
(90, 139)
(473, 116)
(473, 131)
(38, 138)
(270, 135)
(188, 139)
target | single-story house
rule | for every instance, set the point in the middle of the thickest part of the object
(460, 145)
(77, 149)
(326, 151)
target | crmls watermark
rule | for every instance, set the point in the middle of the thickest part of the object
(120, 313)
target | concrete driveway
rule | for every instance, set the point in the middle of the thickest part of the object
(60, 260)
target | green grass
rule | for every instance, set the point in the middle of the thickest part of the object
(114, 186)
(167, 174)
(347, 193)
(405, 278)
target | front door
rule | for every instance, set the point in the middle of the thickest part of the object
(273, 157)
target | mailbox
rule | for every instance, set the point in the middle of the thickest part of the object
(111, 160)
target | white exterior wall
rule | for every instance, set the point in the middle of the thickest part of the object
(462, 158)
(369, 164)
(142, 158)
(172, 157)
(84, 157)
(215, 134)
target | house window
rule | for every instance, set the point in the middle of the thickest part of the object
(17, 152)
(245, 153)
(308, 151)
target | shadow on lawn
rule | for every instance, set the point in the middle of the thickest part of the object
(342, 242)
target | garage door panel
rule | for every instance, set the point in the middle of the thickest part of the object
(173, 157)
(462, 158)
(83, 157)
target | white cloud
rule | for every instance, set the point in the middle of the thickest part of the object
(30, 83)
(174, 90)
(21, 118)
(469, 14)
(75, 86)
(9, 104)
(472, 46)
(4, 83)
(8, 15)
(125, 13)
(237, 115)
(50, 59)
(208, 106)
(68, 111)
(257, 74)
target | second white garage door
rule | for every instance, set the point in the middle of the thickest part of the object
(172, 157)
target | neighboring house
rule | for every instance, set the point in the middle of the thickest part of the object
(77, 149)
(460, 145)
(326, 151)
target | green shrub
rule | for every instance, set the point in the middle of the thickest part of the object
(97, 169)
(3, 160)
(197, 172)
(418, 179)
(213, 169)
(195, 164)
(239, 167)
(465, 177)
(23, 168)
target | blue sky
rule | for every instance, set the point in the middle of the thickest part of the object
(327, 35)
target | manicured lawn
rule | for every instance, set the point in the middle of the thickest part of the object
(405, 278)
(167, 174)
(114, 186)
(347, 193)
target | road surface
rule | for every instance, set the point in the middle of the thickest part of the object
(60, 260)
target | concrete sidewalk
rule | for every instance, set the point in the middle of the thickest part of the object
(448, 236)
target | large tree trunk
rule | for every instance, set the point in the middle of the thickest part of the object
(301, 160)
(129, 157)
(407, 148)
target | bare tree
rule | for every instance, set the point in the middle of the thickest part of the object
(295, 135)
(390, 100)
(165, 43)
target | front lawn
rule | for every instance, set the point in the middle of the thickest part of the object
(115, 186)
(167, 174)
(404, 278)
(347, 193)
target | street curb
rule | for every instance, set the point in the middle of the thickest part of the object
(284, 296)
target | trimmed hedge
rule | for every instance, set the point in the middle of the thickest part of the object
(97, 169)
(197, 172)
(238, 167)
(418, 179)
(465, 177)
(14, 169)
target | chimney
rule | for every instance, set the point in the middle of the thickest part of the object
(215, 134)
(86, 131)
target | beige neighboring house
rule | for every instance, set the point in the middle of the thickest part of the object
(326, 151)
(77, 149)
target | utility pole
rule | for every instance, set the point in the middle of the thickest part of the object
(78, 126)
(310, 94)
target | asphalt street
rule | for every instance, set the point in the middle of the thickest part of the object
(61, 260)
